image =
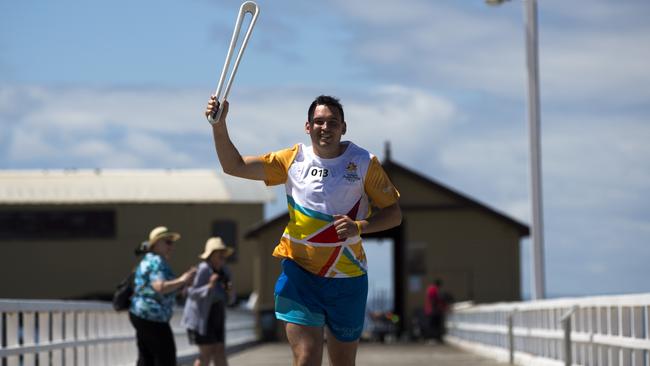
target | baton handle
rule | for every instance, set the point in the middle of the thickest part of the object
(247, 7)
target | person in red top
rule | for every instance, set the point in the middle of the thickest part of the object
(435, 307)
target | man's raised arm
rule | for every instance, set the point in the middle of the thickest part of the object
(232, 162)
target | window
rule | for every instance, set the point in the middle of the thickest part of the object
(57, 224)
(227, 230)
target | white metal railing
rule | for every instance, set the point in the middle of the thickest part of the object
(590, 331)
(61, 333)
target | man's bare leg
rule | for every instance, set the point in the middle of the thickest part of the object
(306, 344)
(341, 353)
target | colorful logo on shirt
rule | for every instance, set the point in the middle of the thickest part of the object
(351, 174)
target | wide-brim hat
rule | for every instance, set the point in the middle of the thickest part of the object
(161, 232)
(213, 244)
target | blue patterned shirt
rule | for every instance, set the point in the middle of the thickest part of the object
(146, 303)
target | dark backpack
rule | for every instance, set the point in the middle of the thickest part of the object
(123, 293)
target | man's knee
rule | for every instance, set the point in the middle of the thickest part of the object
(306, 344)
(341, 353)
(307, 354)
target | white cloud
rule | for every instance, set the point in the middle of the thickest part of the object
(144, 144)
(159, 149)
(121, 160)
(91, 148)
(87, 125)
(409, 118)
(593, 162)
(430, 43)
(148, 123)
(595, 65)
(25, 145)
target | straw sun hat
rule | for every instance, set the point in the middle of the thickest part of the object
(215, 243)
(161, 232)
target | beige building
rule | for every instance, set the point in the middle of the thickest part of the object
(471, 247)
(71, 234)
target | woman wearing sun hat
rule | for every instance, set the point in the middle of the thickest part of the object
(153, 299)
(204, 315)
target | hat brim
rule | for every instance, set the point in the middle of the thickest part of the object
(229, 251)
(172, 236)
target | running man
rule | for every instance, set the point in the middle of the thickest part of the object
(332, 188)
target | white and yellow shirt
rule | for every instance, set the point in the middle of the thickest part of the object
(317, 189)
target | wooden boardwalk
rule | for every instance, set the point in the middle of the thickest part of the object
(370, 354)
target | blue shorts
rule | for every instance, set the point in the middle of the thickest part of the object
(302, 297)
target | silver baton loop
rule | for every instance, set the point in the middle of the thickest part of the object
(247, 7)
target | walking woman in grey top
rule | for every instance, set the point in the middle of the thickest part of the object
(204, 315)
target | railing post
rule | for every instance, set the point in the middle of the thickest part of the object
(568, 355)
(511, 337)
(566, 325)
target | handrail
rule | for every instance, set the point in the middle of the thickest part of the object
(20, 305)
(574, 331)
(90, 333)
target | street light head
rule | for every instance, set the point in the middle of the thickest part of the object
(495, 2)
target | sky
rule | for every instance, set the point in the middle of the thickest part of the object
(123, 84)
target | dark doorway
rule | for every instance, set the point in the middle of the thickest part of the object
(396, 236)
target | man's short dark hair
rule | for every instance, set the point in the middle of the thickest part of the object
(328, 101)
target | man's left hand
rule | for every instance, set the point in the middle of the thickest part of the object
(345, 227)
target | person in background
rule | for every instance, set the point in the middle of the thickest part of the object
(435, 307)
(204, 315)
(153, 300)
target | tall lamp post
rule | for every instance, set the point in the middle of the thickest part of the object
(532, 61)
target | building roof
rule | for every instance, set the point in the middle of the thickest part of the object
(77, 186)
(393, 167)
